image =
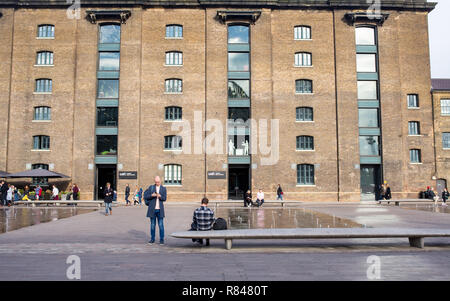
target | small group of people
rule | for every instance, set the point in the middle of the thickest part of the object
(432, 194)
(73, 192)
(137, 196)
(248, 201)
(8, 194)
(385, 192)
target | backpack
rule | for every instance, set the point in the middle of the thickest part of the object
(220, 224)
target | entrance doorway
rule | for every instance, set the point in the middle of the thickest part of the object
(370, 182)
(440, 185)
(238, 181)
(104, 174)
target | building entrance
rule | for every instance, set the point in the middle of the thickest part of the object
(370, 182)
(103, 175)
(238, 181)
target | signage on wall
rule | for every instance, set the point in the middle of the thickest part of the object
(217, 175)
(131, 175)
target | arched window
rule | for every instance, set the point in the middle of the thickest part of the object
(174, 31)
(174, 85)
(304, 114)
(109, 34)
(238, 34)
(303, 86)
(44, 58)
(365, 35)
(173, 113)
(303, 59)
(174, 58)
(46, 31)
(43, 85)
(305, 174)
(172, 174)
(42, 113)
(302, 32)
(305, 143)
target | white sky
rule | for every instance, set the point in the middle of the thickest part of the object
(439, 30)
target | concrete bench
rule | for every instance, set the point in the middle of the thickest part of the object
(282, 203)
(397, 202)
(57, 202)
(415, 236)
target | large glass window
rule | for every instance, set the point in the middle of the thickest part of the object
(174, 31)
(305, 143)
(445, 107)
(446, 140)
(369, 146)
(238, 89)
(305, 174)
(367, 90)
(303, 86)
(365, 36)
(109, 61)
(415, 156)
(39, 181)
(43, 85)
(174, 85)
(44, 58)
(42, 113)
(108, 88)
(366, 62)
(302, 32)
(304, 114)
(41, 142)
(413, 128)
(238, 34)
(173, 113)
(107, 145)
(107, 116)
(172, 174)
(173, 143)
(110, 33)
(174, 58)
(303, 59)
(46, 31)
(238, 61)
(368, 118)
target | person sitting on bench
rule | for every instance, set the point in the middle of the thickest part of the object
(203, 220)
(248, 199)
(260, 198)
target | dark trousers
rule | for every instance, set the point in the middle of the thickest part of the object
(259, 202)
(126, 198)
(247, 202)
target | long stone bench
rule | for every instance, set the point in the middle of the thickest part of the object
(282, 203)
(415, 236)
(57, 202)
(397, 202)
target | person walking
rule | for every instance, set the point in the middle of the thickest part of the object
(127, 194)
(279, 193)
(154, 198)
(445, 195)
(136, 196)
(38, 192)
(108, 194)
(248, 199)
(140, 195)
(203, 220)
(260, 198)
(9, 195)
(3, 192)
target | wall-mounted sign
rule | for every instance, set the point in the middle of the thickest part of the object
(217, 175)
(131, 175)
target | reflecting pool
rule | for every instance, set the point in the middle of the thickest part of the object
(427, 207)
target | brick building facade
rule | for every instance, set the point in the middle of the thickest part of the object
(108, 92)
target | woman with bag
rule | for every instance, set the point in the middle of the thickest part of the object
(279, 193)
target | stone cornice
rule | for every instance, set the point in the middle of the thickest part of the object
(118, 15)
(419, 5)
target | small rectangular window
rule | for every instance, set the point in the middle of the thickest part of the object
(43, 85)
(41, 142)
(173, 113)
(174, 58)
(42, 113)
(173, 143)
(369, 146)
(172, 174)
(366, 62)
(107, 116)
(305, 143)
(44, 58)
(304, 114)
(305, 174)
(445, 107)
(446, 140)
(238, 89)
(238, 61)
(367, 90)
(109, 61)
(303, 86)
(302, 33)
(106, 145)
(413, 128)
(413, 101)
(368, 118)
(108, 88)
(415, 156)
(46, 31)
(174, 86)
(303, 59)
(174, 31)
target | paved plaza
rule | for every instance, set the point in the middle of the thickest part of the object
(115, 248)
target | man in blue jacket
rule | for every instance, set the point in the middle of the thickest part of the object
(154, 198)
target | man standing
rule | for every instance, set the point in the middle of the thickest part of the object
(127, 194)
(55, 193)
(154, 198)
(203, 220)
(3, 192)
(108, 194)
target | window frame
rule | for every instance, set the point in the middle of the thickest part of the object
(298, 33)
(175, 26)
(413, 125)
(235, 25)
(177, 85)
(445, 141)
(304, 143)
(47, 83)
(175, 111)
(308, 173)
(42, 143)
(45, 37)
(173, 143)
(306, 112)
(302, 57)
(44, 108)
(445, 112)
(309, 81)
(175, 172)
(49, 56)
(375, 34)
(175, 58)
(100, 25)
(412, 156)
